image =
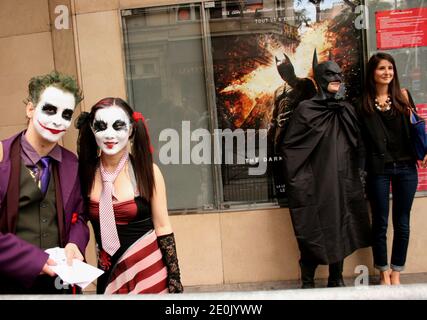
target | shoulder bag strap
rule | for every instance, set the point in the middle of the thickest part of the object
(408, 97)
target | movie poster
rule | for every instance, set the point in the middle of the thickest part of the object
(256, 45)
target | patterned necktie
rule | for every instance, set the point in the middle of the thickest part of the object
(45, 174)
(109, 236)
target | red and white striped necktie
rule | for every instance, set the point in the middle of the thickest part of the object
(109, 236)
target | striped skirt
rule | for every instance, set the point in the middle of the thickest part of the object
(140, 269)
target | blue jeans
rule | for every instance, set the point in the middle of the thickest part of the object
(404, 180)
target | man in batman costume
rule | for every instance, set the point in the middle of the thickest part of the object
(321, 150)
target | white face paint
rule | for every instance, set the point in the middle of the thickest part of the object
(111, 128)
(53, 113)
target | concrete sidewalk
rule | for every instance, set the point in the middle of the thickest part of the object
(288, 289)
(399, 292)
(411, 278)
(406, 279)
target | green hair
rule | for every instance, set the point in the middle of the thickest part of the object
(58, 80)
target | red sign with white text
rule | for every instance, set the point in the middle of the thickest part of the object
(422, 173)
(401, 28)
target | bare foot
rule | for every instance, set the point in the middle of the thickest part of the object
(395, 277)
(385, 278)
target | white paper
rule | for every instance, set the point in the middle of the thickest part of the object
(80, 273)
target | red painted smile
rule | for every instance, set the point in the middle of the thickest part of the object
(110, 145)
(54, 131)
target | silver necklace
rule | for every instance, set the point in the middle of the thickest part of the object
(383, 106)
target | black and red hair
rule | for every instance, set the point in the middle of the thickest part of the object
(141, 152)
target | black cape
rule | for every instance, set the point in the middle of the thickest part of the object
(321, 164)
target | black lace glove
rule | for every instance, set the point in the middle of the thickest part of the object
(170, 258)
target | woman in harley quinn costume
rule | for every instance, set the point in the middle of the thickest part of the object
(126, 199)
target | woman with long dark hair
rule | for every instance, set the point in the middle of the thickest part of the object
(390, 159)
(126, 199)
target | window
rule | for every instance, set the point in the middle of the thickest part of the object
(167, 85)
(188, 12)
(205, 77)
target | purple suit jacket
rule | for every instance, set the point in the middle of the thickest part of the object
(21, 260)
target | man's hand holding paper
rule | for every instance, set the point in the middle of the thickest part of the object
(79, 273)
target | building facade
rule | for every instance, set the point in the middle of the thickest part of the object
(198, 68)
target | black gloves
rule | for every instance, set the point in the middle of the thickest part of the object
(168, 249)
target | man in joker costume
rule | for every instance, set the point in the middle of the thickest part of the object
(40, 199)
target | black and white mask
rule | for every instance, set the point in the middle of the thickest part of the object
(112, 129)
(53, 113)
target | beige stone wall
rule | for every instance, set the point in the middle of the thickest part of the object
(100, 56)
(30, 46)
(252, 246)
(25, 51)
